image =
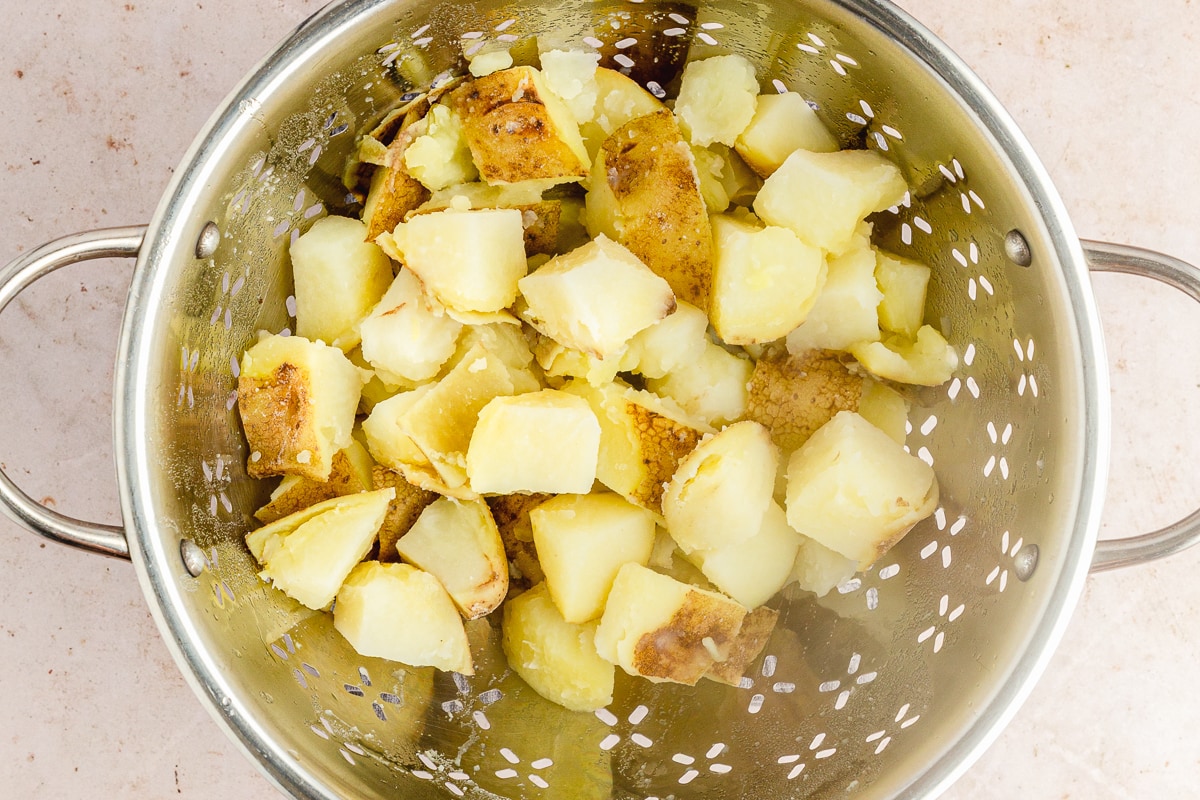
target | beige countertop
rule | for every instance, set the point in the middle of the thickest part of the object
(102, 98)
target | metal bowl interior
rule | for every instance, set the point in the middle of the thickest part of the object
(889, 687)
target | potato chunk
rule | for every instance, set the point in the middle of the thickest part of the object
(928, 360)
(672, 342)
(469, 260)
(818, 569)
(717, 98)
(547, 441)
(722, 489)
(710, 387)
(439, 157)
(407, 336)
(402, 512)
(518, 129)
(765, 281)
(571, 75)
(782, 124)
(642, 439)
(855, 490)
(756, 632)
(308, 561)
(339, 276)
(752, 571)
(795, 395)
(393, 192)
(350, 472)
(555, 657)
(645, 194)
(595, 298)
(845, 312)
(297, 401)
(903, 283)
(619, 99)
(582, 541)
(458, 543)
(823, 196)
(664, 630)
(401, 613)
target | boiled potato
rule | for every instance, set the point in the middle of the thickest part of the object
(664, 630)
(582, 541)
(711, 387)
(457, 542)
(393, 191)
(403, 510)
(540, 219)
(619, 99)
(927, 360)
(407, 336)
(824, 196)
(668, 344)
(818, 569)
(846, 310)
(765, 280)
(794, 395)
(721, 490)
(903, 283)
(642, 438)
(339, 276)
(439, 156)
(511, 513)
(518, 129)
(644, 193)
(398, 612)
(350, 472)
(855, 490)
(595, 298)
(885, 408)
(308, 562)
(717, 99)
(782, 124)
(752, 571)
(555, 657)
(547, 441)
(469, 260)
(756, 632)
(571, 75)
(297, 399)
(559, 361)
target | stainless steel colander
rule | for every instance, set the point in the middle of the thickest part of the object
(887, 689)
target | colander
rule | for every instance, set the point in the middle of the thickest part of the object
(889, 687)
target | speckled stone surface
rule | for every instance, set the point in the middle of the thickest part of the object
(102, 98)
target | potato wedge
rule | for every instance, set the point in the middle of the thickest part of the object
(402, 511)
(644, 193)
(458, 543)
(393, 191)
(297, 401)
(350, 472)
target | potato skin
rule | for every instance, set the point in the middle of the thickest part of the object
(645, 171)
(795, 395)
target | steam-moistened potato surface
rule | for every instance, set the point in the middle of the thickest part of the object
(903, 283)
(310, 561)
(595, 298)
(845, 312)
(571, 75)
(408, 335)
(642, 438)
(468, 260)
(752, 571)
(457, 542)
(582, 542)
(398, 612)
(717, 98)
(350, 472)
(669, 343)
(557, 658)
(721, 490)
(644, 194)
(518, 129)
(782, 124)
(765, 280)
(297, 401)
(339, 276)
(927, 360)
(855, 490)
(664, 630)
(547, 441)
(824, 196)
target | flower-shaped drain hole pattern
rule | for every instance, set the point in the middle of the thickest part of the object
(938, 630)
(882, 738)
(845, 686)
(694, 768)
(1008, 551)
(514, 760)
(796, 762)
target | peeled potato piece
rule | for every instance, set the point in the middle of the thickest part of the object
(927, 360)
(752, 571)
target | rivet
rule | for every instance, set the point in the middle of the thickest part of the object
(1025, 562)
(1016, 247)
(210, 239)
(194, 560)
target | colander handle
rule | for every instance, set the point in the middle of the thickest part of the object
(1105, 257)
(107, 540)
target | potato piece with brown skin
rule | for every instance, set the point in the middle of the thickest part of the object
(793, 396)
(518, 130)
(511, 512)
(756, 631)
(393, 191)
(402, 512)
(645, 194)
(350, 473)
